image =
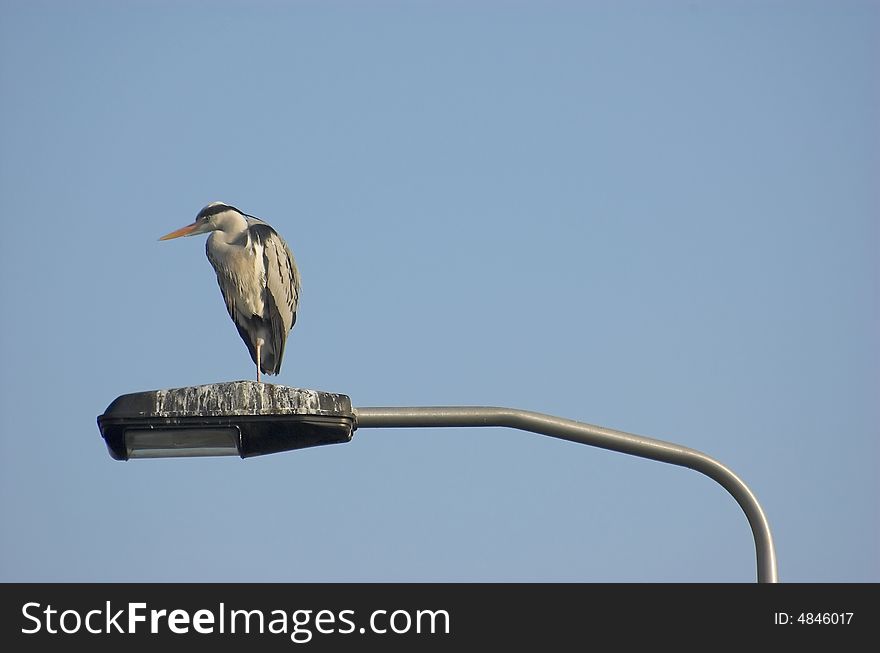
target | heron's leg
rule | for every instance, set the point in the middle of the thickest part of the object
(259, 347)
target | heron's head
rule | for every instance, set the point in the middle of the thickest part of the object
(210, 218)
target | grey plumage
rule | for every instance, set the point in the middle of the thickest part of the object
(257, 275)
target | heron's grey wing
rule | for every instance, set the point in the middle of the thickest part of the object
(282, 285)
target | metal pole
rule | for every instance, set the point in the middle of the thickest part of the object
(596, 436)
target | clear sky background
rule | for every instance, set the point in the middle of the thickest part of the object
(659, 217)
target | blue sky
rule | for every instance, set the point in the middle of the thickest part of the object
(655, 217)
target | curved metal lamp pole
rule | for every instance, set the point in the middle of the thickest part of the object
(247, 419)
(566, 429)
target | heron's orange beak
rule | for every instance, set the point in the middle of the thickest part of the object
(188, 230)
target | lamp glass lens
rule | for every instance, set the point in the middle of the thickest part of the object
(181, 442)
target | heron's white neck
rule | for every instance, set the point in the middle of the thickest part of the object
(231, 227)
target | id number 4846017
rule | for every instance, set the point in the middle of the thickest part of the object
(811, 618)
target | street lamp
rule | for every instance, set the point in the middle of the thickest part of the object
(242, 418)
(250, 419)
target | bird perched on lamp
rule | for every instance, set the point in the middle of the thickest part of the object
(257, 275)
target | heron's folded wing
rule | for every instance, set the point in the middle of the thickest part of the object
(282, 283)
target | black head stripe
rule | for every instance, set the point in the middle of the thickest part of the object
(214, 209)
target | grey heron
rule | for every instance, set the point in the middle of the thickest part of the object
(257, 275)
